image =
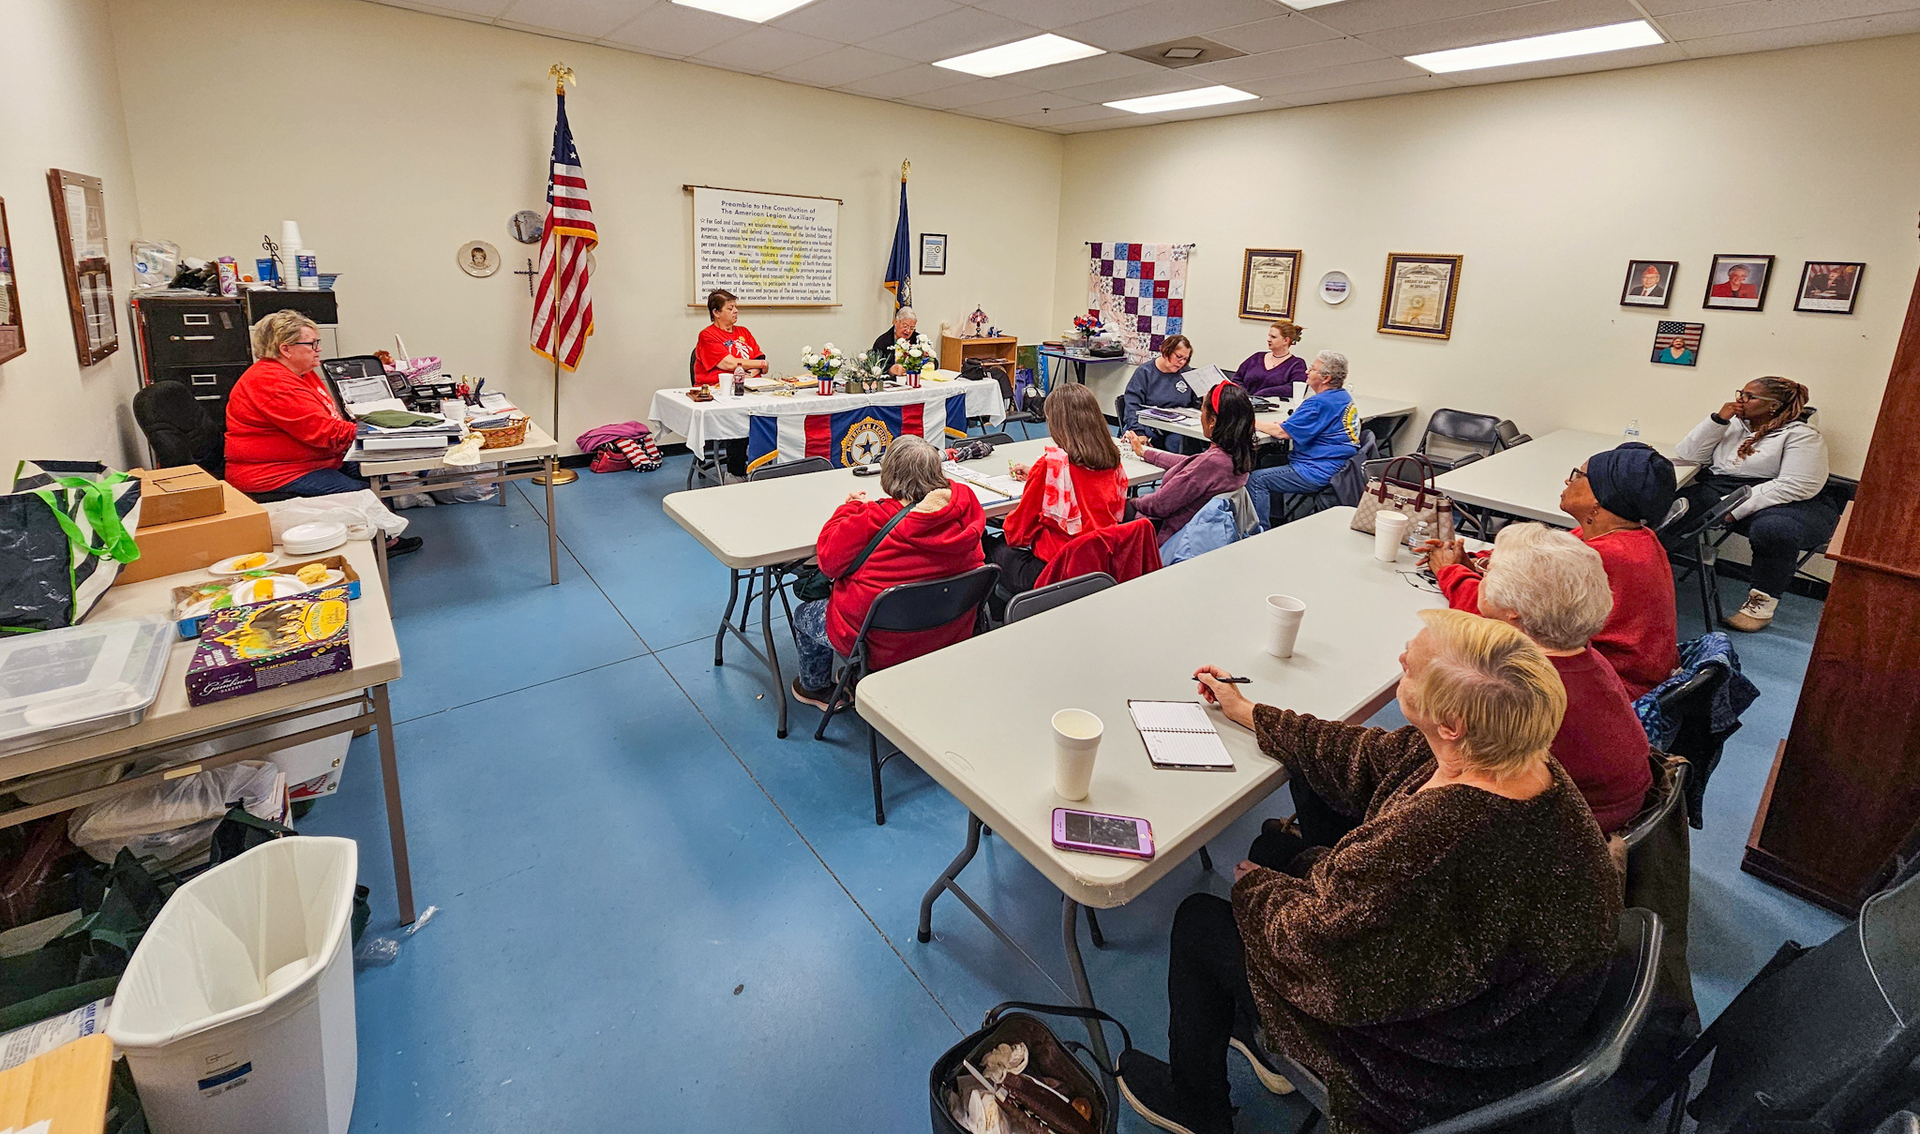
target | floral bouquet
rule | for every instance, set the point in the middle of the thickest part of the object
(868, 372)
(1088, 324)
(915, 356)
(825, 365)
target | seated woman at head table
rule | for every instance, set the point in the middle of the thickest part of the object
(1160, 381)
(1761, 439)
(902, 331)
(1227, 419)
(285, 436)
(1440, 956)
(1076, 485)
(1325, 431)
(723, 348)
(1618, 497)
(939, 537)
(1272, 372)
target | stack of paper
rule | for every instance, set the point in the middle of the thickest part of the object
(382, 443)
(990, 489)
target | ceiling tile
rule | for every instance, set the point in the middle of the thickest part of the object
(1130, 120)
(1578, 65)
(915, 80)
(765, 49)
(1372, 90)
(1359, 16)
(842, 65)
(1659, 8)
(967, 94)
(459, 9)
(1055, 13)
(1273, 34)
(1030, 102)
(676, 30)
(589, 18)
(552, 33)
(1492, 27)
(1080, 72)
(1114, 90)
(1072, 114)
(850, 21)
(1865, 27)
(1765, 15)
(1273, 64)
(956, 33)
(1168, 19)
(1349, 75)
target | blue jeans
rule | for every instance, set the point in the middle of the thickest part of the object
(810, 636)
(1264, 484)
(323, 482)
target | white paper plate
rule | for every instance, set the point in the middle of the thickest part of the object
(310, 539)
(334, 578)
(226, 566)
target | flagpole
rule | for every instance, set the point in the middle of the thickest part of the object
(561, 75)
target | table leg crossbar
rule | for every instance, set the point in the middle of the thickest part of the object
(766, 580)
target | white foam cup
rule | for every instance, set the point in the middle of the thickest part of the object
(1283, 624)
(1389, 532)
(1076, 741)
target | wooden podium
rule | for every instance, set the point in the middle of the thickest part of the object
(1842, 805)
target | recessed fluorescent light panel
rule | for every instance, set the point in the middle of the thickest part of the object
(753, 11)
(1040, 51)
(1559, 45)
(1180, 100)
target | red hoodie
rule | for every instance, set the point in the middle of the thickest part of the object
(280, 427)
(925, 545)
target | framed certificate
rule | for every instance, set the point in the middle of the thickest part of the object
(933, 253)
(80, 223)
(13, 340)
(1418, 296)
(1269, 283)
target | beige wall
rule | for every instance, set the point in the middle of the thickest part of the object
(60, 108)
(1548, 188)
(411, 134)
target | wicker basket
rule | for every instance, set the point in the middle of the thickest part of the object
(503, 436)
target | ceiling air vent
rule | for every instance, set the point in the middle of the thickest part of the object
(1185, 52)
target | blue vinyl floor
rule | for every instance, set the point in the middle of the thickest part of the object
(653, 915)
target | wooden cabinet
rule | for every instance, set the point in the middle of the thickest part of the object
(955, 352)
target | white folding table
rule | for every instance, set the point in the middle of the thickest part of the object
(758, 527)
(1368, 406)
(1526, 480)
(1089, 654)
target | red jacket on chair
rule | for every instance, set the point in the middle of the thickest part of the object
(1125, 551)
(927, 545)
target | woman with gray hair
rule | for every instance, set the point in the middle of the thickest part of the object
(1325, 431)
(1553, 588)
(925, 527)
(904, 324)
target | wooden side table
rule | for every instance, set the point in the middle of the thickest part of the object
(955, 352)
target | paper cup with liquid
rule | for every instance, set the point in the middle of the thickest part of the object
(1283, 624)
(1389, 532)
(1076, 741)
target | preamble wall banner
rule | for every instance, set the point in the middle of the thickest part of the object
(765, 248)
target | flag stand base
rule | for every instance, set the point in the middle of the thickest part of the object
(560, 476)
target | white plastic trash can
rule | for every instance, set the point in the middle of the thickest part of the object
(236, 1011)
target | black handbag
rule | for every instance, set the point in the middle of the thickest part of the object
(1061, 1064)
(811, 584)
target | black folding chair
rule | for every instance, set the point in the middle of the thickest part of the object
(907, 608)
(1056, 594)
(1510, 435)
(705, 465)
(1691, 703)
(1032, 415)
(994, 439)
(1453, 434)
(776, 576)
(1622, 1008)
(1692, 547)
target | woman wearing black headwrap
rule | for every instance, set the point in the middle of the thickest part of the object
(1618, 497)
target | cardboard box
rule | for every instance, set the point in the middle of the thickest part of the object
(194, 545)
(168, 496)
(245, 649)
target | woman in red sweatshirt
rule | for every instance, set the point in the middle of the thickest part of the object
(940, 537)
(1076, 485)
(1615, 495)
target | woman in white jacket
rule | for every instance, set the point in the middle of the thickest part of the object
(1758, 439)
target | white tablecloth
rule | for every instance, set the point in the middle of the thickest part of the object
(725, 418)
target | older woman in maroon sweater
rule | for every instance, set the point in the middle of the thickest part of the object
(1226, 417)
(1443, 954)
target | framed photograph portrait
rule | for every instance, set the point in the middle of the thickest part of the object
(1738, 283)
(1649, 283)
(1829, 286)
(1676, 343)
(13, 340)
(933, 253)
(80, 223)
(1269, 283)
(1418, 296)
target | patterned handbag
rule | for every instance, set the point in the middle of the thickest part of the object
(1414, 497)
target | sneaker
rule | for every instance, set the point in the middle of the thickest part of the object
(1754, 614)
(1147, 1084)
(818, 698)
(404, 545)
(1270, 1078)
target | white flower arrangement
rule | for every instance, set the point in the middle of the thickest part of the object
(915, 356)
(827, 364)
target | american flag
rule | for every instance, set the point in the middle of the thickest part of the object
(1689, 333)
(561, 327)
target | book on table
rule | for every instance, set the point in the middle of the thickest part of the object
(991, 489)
(1180, 734)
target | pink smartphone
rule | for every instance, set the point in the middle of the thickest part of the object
(1094, 833)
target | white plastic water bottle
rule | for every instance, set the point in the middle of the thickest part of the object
(1633, 430)
(1417, 535)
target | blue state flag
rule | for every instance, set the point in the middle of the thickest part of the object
(900, 264)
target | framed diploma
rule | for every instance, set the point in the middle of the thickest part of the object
(13, 340)
(80, 223)
(1418, 296)
(1269, 283)
(933, 253)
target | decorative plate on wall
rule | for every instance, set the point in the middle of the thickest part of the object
(478, 258)
(526, 225)
(1335, 287)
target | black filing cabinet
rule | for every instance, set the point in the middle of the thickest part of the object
(199, 340)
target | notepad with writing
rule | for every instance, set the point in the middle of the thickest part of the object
(1179, 734)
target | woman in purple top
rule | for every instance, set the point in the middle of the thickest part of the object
(1226, 417)
(1273, 373)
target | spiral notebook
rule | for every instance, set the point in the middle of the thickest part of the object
(1180, 734)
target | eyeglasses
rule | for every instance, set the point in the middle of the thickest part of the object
(314, 345)
(1743, 396)
(1575, 475)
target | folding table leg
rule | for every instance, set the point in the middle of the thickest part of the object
(1070, 937)
(947, 876)
(726, 618)
(773, 656)
(396, 817)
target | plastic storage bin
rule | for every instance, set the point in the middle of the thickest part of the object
(80, 680)
(236, 1011)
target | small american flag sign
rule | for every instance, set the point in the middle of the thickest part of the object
(1676, 343)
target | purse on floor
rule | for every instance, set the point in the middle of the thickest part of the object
(1413, 496)
(1055, 1082)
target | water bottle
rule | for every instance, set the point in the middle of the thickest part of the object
(1417, 535)
(1633, 430)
